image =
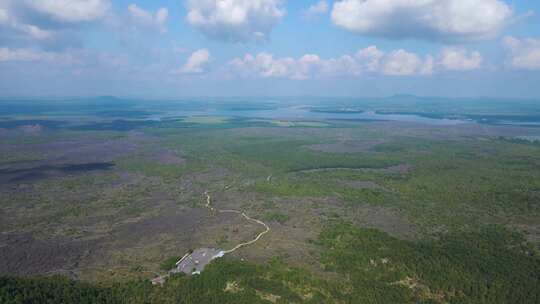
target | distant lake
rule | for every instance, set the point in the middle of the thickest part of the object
(521, 123)
(304, 113)
(530, 138)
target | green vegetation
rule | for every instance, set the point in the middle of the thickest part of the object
(290, 156)
(222, 282)
(169, 263)
(279, 217)
(54, 290)
(447, 183)
(490, 265)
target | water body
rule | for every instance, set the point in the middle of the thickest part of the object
(520, 123)
(530, 138)
(304, 113)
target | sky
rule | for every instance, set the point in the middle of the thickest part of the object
(262, 48)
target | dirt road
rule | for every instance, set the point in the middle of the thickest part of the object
(267, 229)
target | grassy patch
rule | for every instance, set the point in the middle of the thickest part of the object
(169, 263)
(279, 217)
(489, 265)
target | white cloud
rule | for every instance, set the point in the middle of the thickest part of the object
(424, 19)
(264, 65)
(34, 31)
(7, 54)
(316, 9)
(428, 66)
(27, 54)
(235, 20)
(4, 16)
(195, 64)
(148, 19)
(46, 21)
(369, 60)
(371, 56)
(71, 10)
(524, 54)
(365, 61)
(459, 59)
(8, 21)
(76, 58)
(401, 62)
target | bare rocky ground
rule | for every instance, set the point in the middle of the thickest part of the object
(118, 226)
(389, 220)
(168, 157)
(71, 207)
(22, 254)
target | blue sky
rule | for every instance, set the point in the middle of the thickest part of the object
(180, 48)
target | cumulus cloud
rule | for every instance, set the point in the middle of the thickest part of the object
(524, 54)
(72, 61)
(71, 10)
(35, 55)
(401, 62)
(196, 63)
(148, 19)
(235, 20)
(11, 26)
(369, 60)
(7, 54)
(459, 59)
(308, 66)
(316, 9)
(424, 19)
(264, 65)
(10, 23)
(46, 21)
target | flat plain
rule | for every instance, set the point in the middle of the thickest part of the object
(360, 210)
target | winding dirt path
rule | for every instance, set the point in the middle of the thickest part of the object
(267, 229)
(160, 280)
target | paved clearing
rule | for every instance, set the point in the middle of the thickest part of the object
(195, 262)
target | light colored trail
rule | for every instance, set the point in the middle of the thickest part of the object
(160, 280)
(266, 228)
